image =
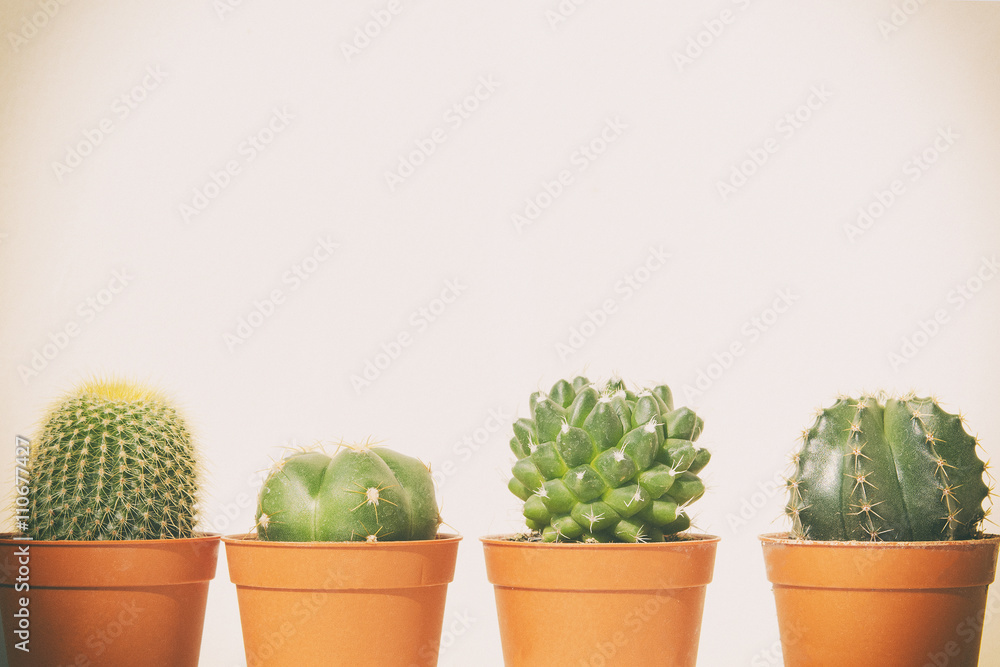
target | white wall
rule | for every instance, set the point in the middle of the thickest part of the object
(683, 128)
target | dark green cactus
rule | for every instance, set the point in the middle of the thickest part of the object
(113, 461)
(607, 465)
(361, 494)
(902, 471)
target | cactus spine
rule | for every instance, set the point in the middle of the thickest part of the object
(361, 494)
(607, 465)
(113, 461)
(902, 471)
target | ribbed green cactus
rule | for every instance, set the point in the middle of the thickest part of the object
(113, 461)
(607, 465)
(902, 471)
(361, 494)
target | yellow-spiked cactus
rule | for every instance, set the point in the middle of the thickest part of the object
(113, 460)
(905, 470)
(361, 494)
(607, 464)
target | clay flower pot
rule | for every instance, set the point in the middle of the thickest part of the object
(341, 603)
(106, 603)
(600, 604)
(892, 604)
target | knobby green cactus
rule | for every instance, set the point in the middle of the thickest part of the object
(113, 461)
(607, 465)
(902, 471)
(361, 494)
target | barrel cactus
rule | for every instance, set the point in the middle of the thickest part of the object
(607, 464)
(360, 494)
(905, 470)
(113, 460)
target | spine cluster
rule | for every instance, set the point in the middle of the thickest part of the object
(113, 461)
(607, 465)
(905, 470)
(361, 494)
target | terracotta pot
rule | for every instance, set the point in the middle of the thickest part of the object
(583, 605)
(892, 604)
(113, 603)
(341, 603)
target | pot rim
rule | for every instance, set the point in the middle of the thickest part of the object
(879, 566)
(602, 567)
(689, 539)
(340, 566)
(198, 536)
(785, 539)
(250, 540)
(103, 564)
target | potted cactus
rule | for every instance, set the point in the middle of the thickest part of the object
(886, 563)
(606, 574)
(346, 566)
(107, 565)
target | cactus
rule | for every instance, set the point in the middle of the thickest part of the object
(362, 493)
(902, 471)
(113, 461)
(607, 465)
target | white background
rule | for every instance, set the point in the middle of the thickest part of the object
(858, 295)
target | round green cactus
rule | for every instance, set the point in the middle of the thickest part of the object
(113, 461)
(607, 465)
(361, 494)
(905, 470)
